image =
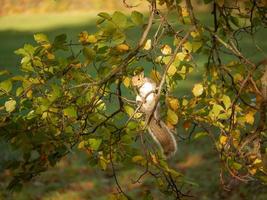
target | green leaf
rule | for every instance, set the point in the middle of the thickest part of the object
(118, 37)
(10, 105)
(100, 21)
(226, 101)
(236, 165)
(60, 42)
(89, 54)
(56, 92)
(132, 125)
(4, 72)
(120, 19)
(19, 91)
(104, 15)
(200, 135)
(196, 45)
(216, 109)
(173, 172)
(129, 110)
(235, 21)
(94, 143)
(26, 50)
(5, 86)
(41, 38)
(70, 112)
(137, 18)
(139, 159)
(103, 163)
(188, 46)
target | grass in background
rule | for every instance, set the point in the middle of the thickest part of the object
(73, 178)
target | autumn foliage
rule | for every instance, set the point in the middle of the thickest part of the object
(77, 94)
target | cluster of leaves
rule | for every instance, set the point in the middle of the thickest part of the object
(66, 98)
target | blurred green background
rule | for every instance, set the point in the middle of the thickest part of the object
(74, 178)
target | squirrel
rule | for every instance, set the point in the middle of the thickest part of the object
(146, 89)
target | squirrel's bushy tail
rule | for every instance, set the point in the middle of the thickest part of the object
(163, 136)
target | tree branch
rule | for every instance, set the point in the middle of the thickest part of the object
(164, 76)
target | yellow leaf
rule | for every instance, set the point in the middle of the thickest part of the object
(103, 163)
(252, 171)
(50, 56)
(29, 94)
(83, 36)
(155, 76)
(233, 64)
(194, 34)
(47, 46)
(198, 90)
(127, 81)
(176, 41)
(44, 115)
(166, 49)
(226, 101)
(182, 72)
(10, 105)
(173, 103)
(158, 59)
(185, 12)
(172, 117)
(122, 47)
(139, 159)
(223, 140)
(172, 70)
(166, 59)
(213, 89)
(81, 145)
(215, 111)
(257, 161)
(154, 158)
(130, 111)
(188, 46)
(169, 125)
(78, 65)
(236, 134)
(137, 115)
(184, 102)
(236, 143)
(91, 39)
(180, 56)
(238, 77)
(250, 118)
(147, 45)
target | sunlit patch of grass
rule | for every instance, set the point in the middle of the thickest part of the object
(44, 22)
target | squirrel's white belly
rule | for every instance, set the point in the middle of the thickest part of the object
(147, 96)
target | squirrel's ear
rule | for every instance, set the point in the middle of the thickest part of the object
(142, 74)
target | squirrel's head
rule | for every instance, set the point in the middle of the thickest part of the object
(138, 79)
